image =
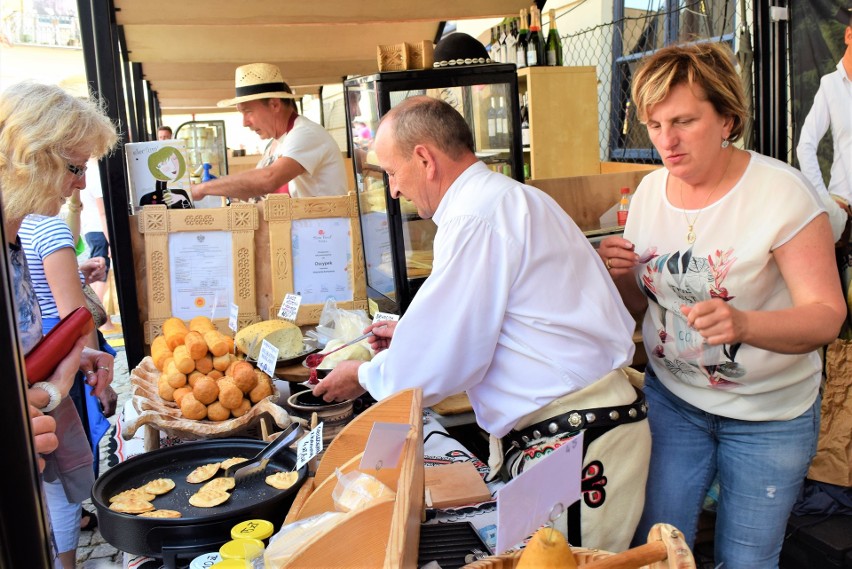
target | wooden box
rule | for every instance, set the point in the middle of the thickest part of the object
(385, 534)
(421, 55)
(393, 57)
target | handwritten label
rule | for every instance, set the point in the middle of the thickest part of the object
(384, 446)
(233, 316)
(309, 446)
(542, 492)
(385, 317)
(268, 358)
(290, 307)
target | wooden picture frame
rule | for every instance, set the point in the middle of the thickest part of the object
(157, 223)
(280, 212)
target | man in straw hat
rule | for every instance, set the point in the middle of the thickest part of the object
(832, 107)
(302, 159)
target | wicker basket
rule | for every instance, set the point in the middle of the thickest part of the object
(510, 560)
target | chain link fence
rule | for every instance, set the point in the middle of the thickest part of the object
(615, 49)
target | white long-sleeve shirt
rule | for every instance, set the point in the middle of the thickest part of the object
(518, 310)
(832, 108)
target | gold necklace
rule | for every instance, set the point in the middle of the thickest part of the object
(690, 232)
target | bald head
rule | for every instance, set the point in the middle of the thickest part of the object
(426, 120)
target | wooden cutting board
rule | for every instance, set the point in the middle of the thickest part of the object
(454, 484)
(453, 405)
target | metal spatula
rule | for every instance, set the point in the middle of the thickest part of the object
(257, 465)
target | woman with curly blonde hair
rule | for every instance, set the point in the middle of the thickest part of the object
(46, 138)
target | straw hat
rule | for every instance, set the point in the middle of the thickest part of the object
(258, 81)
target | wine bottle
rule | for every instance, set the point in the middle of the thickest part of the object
(511, 40)
(494, 51)
(521, 45)
(503, 138)
(554, 42)
(502, 33)
(525, 121)
(492, 125)
(535, 42)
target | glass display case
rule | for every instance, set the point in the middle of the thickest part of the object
(397, 242)
(205, 143)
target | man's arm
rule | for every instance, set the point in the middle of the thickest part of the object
(251, 184)
(815, 126)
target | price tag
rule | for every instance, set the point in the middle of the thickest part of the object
(541, 492)
(290, 307)
(214, 307)
(385, 317)
(309, 446)
(384, 446)
(233, 316)
(268, 358)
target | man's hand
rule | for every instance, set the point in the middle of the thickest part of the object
(341, 384)
(382, 334)
(93, 269)
(198, 191)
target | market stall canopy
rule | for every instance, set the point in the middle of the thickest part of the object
(189, 49)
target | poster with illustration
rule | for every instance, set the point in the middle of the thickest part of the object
(158, 174)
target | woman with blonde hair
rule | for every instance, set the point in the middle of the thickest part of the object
(46, 138)
(730, 256)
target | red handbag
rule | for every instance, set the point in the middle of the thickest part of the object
(55, 345)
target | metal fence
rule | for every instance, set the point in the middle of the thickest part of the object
(615, 49)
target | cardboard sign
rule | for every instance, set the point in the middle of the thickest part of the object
(542, 492)
(384, 446)
(233, 316)
(290, 307)
(158, 174)
(267, 358)
(309, 446)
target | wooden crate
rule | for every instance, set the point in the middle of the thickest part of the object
(386, 534)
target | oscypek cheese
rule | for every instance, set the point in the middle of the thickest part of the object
(284, 335)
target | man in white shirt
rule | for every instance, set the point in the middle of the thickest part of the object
(518, 311)
(302, 159)
(832, 107)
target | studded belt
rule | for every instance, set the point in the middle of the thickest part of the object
(576, 421)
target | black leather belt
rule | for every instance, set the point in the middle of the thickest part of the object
(572, 422)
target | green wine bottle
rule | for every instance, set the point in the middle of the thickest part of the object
(554, 42)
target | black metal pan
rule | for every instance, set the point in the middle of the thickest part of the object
(200, 530)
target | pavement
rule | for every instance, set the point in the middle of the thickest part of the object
(93, 552)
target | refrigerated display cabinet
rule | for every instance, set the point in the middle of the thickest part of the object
(397, 242)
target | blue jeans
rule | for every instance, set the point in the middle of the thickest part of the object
(761, 467)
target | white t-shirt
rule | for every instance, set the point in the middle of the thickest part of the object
(316, 151)
(730, 259)
(90, 219)
(518, 310)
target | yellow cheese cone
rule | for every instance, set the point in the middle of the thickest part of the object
(547, 549)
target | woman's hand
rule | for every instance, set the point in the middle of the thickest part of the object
(618, 254)
(382, 334)
(44, 434)
(93, 269)
(717, 321)
(63, 376)
(98, 367)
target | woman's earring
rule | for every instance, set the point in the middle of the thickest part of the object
(725, 143)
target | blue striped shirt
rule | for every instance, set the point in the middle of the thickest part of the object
(41, 236)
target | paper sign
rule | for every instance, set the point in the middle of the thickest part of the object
(384, 446)
(290, 307)
(268, 358)
(233, 316)
(541, 493)
(309, 446)
(385, 317)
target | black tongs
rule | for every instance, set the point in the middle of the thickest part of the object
(257, 465)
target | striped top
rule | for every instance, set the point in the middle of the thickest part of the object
(40, 236)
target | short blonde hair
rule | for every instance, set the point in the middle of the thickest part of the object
(706, 65)
(40, 127)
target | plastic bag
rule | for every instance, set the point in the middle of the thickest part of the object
(357, 489)
(293, 536)
(339, 324)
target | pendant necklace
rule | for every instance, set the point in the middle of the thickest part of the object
(690, 232)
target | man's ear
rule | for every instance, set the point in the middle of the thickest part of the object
(426, 158)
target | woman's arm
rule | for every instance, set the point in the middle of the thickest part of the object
(809, 269)
(60, 269)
